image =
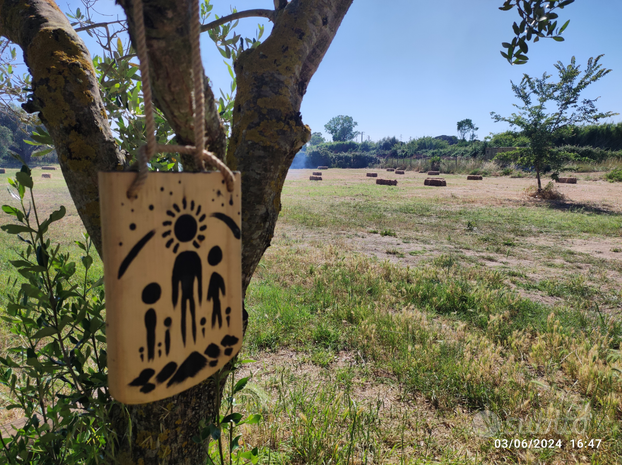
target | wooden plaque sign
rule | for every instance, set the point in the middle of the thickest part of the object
(173, 275)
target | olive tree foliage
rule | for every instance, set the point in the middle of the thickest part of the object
(548, 108)
(465, 127)
(538, 21)
(341, 128)
(255, 127)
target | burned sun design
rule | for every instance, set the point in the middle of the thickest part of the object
(185, 225)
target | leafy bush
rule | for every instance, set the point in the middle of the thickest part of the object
(588, 153)
(508, 139)
(318, 156)
(614, 175)
(353, 160)
(56, 372)
(342, 147)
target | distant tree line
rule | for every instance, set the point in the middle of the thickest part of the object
(594, 142)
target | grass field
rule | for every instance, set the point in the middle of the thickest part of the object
(416, 324)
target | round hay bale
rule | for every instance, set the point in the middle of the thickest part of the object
(433, 173)
(567, 180)
(317, 173)
(435, 182)
(48, 168)
(322, 167)
(399, 171)
(474, 177)
(372, 175)
(2, 171)
(387, 182)
(46, 175)
(315, 178)
(390, 169)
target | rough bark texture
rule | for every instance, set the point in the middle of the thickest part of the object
(267, 132)
(267, 129)
(66, 95)
(167, 25)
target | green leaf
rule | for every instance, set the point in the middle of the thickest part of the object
(563, 28)
(241, 384)
(58, 214)
(558, 39)
(24, 179)
(12, 211)
(236, 442)
(42, 135)
(16, 229)
(87, 261)
(42, 152)
(119, 46)
(43, 332)
(253, 419)
(234, 417)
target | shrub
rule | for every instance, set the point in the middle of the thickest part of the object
(56, 372)
(587, 153)
(549, 192)
(614, 175)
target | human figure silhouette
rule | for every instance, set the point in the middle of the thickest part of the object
(216, 285)
(186, 270)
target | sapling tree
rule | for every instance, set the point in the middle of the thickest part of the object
(549, 107)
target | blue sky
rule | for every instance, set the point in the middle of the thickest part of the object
(415, 68)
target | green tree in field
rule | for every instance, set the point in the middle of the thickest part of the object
(316, 139)
(549, 107)
(465, 127)
(341, 128)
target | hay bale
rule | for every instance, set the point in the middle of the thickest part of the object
(390, 169)
(315, 178)
(399, 171)
(433, 173)
(387, 182)
(322, 167)
(317, 173)
(567, 180)
(2, 171)
(372, 175)
(474, 177)
(435, 182)
(48, 168)
(46, 175)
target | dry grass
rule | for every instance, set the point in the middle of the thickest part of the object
(550, 192)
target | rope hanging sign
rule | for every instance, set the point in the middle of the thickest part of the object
(172, 259)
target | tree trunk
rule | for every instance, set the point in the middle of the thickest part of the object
(267, 132)
(538, 178)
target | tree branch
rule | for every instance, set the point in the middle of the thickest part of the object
(170, 65)
(96, 25)
(267, 129)
(238, 15)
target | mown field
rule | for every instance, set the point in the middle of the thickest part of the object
(416, 324)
